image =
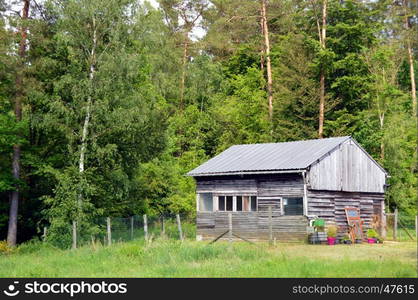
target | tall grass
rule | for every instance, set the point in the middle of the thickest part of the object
(402, 236)
(172, 258)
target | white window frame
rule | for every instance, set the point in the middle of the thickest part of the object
(256, 202)
(303, 205)
(234, 201)
(198, 208)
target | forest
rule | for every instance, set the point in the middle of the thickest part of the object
(106, 105)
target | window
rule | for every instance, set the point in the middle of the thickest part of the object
(229, 203)
(237, 203)
(205, 202)
(293, 206)
(253, 203)
(221, 203)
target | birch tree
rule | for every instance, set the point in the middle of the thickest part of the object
(383, 64)
(102, 106)
(408, 41)
(265, 32)
(321, 22)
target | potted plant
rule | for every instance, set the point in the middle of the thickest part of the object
(346, 239)
(372, 236)
(319, 224)
(318, 236)
(332, 234)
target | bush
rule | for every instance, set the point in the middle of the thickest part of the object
(4, 248)
(33, 246)
(59, 234)
(345, 238)
(372, 234)
(332, 231)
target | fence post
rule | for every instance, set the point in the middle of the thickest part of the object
(179, 227)
(162, 226)
(44, 235)
(109, 232)
(145, 227)
(416, 227)
(74, 235)
(383, 220)
(270, 226)
(230, 227)
(395, 225)
(132, 227)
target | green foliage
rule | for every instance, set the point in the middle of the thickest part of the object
(332, 231)
(372, 234)
(241, 113)
(345, 238)
(140, 141)
(4, 248)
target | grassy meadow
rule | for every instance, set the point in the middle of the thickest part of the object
(172, 258)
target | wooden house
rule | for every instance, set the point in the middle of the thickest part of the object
(300, 181)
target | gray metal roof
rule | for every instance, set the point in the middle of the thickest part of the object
(264, 158)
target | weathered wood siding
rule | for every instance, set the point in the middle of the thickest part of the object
(326, 204)
(330, 206)
(280, 185)
(274, 185)
(347, 168)
(227, 186)
(254, 224)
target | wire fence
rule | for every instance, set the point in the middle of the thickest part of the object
(110, 230)
(401, 227)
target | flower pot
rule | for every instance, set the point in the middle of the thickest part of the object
(371, 240)
(358, 241)
(331, 240)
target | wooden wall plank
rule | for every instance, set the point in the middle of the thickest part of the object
(347, 169)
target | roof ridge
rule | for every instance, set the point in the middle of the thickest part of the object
(297, 141)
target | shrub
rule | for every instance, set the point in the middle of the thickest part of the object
(59, 234)
(372, 234)
(33, 246)
(4, 248)
(345, 238)
(332, 231)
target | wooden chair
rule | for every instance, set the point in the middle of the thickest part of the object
(354, 223)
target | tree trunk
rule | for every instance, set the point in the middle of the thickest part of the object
(84, 134)
(382, 144)
(410, 60)
(263, 49)
(14, 201)
(412, 75)
(184, 63)
(268, 61)
(322, 39)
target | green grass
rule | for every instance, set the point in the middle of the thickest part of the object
(402, 235)
(171, 258)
